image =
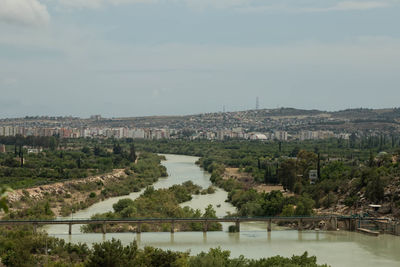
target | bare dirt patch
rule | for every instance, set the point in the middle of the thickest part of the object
(249, 182)
(66, 191)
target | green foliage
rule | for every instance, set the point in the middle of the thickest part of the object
(53, 165)
(304, 206)
(350, 201)
(36, 210)
(251, 203)
(20, 247)
(335, 171)
(113, 254)
(375, 188)
(288, 210)
(215, 257)
(218, 257)
(287, 174)
(3, 198)
(161, 203)
(329, 200)
(122, 204)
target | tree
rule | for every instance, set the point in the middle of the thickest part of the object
(79, 162)
(294, 152)
(288, 210)
(53, 143)
(268, 177)
(209, 212)
(3, 198)
(112, 254)
(371, 160)
(306, 161)
(86, 150)
(215, 257)
(11, 162)
(21, 153)
(117, 150)
(319, 166)
(132, 153)
(97, 151)
(304, 206)
(352, 140)
(287, 174)
(128, 212)
(375, 190)
(122, 204)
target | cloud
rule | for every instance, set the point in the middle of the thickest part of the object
(247, 6)
(197, 4)
(93, 4)
(298, 7)
(23, 12)
(215, 3)
(159, 92)
(350, 5)
(8, 82)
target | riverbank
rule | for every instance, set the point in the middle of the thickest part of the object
(160, 203)
(70, 193)
(254, 241)
(64, 198)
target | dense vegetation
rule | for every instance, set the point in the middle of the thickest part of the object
(161, 203)
(348, 174)
(19, 247)
(351, 172)
(20, 169)
(145, 171)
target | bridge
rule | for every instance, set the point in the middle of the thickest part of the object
(350, 222)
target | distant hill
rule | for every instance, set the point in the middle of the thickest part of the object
(289, 119)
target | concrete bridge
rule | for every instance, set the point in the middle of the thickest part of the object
(350, 222)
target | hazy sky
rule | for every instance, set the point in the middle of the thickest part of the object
(146, 57)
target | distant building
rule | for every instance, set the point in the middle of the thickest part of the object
(34, 150)
(258, 136)
(313, 175)
(281, 135)
(95, 117)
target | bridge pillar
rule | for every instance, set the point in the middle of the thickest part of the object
(70, 229)
(103, 228)
(172, 227)
(300, 225)
(269, 225)
(138, 228)
(205, 226)
(237, 225)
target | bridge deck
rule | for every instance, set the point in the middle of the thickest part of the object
(173, 220)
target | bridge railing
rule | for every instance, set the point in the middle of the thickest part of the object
(150, 219)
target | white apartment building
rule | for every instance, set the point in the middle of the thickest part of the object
(281, 135)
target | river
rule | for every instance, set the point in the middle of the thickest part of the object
(339, 248)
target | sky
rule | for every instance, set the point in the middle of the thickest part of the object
(175, 57)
